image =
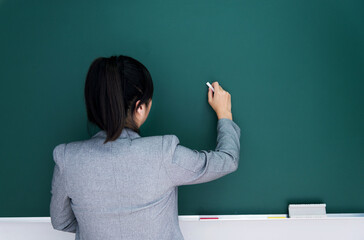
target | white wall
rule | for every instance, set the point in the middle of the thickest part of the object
(252, 227)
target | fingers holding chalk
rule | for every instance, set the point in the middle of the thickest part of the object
(210, 86)
(220, 101)
(209, 96)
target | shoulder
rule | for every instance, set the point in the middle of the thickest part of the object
(60, 151)
(167, 142)
(58, 154)
(170, 140)
(160, 139)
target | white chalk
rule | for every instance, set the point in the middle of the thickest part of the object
(210, 86)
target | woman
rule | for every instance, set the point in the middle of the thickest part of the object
(119, 185)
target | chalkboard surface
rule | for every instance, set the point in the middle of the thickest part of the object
(295, 70)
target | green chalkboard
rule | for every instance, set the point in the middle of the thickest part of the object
(295, 70)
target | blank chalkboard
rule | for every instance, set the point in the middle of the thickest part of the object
(295, 70)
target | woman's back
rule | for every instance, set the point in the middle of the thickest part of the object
(119, 185)
(127, 189)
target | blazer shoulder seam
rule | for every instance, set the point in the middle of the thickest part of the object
(64, 170)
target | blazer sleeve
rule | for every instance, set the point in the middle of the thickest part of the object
(185, 166)
(62, 216)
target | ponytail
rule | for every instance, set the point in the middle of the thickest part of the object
(112, 88)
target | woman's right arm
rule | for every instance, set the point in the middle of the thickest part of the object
(185, 166)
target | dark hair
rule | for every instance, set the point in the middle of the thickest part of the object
(113, 86)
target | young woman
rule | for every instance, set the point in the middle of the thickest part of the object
(119, 185)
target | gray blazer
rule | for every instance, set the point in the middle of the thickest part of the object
(127, 189)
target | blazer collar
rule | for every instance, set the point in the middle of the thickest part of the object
(126, 133)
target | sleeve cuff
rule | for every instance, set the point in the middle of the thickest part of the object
(225, 121)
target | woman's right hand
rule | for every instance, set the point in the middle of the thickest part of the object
(220, 101)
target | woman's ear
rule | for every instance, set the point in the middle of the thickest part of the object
(140, 111)
(136, 104)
